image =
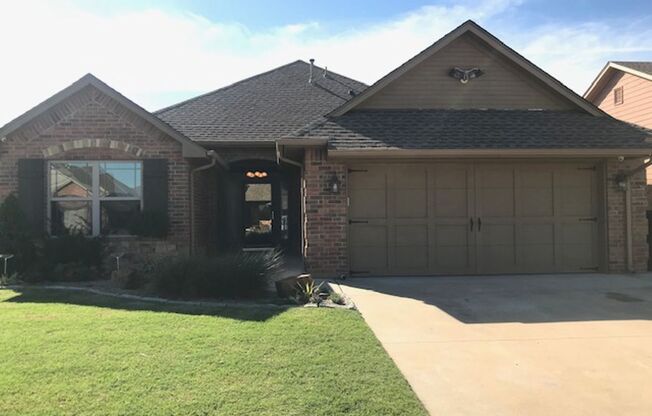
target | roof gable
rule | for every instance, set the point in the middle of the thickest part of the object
(189, 148)
(640, 69)
(536, 84)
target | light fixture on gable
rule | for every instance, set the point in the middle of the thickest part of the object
(465, 75)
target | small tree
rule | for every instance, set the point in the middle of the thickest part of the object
(15, 236)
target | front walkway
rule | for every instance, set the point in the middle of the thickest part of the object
(517, 345)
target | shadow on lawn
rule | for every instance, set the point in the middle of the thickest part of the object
(241, 312)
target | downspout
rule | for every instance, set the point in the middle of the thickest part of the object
(624, 181)
(215, 159)
(280, 158)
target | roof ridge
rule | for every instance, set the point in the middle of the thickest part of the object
(179, 104)
(253, 77)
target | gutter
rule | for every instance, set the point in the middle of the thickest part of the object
(215, 160)
(280, 158)
(623, 181)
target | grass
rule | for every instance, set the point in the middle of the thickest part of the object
(74, 353)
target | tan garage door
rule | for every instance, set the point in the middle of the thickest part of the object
(473, 218)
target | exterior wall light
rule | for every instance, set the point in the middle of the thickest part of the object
(334, 184)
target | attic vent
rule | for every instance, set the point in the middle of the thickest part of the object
(619, 96)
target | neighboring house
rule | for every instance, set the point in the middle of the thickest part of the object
(624, 91)
(467, 159)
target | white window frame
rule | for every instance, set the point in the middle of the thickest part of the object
(95, 199)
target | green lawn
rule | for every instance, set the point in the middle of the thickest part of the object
(80, 354)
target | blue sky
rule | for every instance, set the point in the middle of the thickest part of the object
(160, 52)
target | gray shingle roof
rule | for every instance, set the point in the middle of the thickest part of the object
(477, 129)
(645, 67)
(261, 108)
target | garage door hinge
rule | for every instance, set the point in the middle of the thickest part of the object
(358, 222)
(588, 168)
(358, 272)
(594, 268)
(592, 219)
(357, 170)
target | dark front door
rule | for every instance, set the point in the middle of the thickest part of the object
(259, 215)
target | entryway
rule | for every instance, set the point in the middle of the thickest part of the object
(474, 217)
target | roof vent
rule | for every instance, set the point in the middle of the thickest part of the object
(312, 63)
(352, 93)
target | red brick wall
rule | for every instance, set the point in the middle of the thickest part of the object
(616, 237)
(91, 126)
(325, 216)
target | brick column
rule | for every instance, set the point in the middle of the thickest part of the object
(616, 222)
(325, 216)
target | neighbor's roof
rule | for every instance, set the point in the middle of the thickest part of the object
(263, 107)
(639, 68)
(475, 129)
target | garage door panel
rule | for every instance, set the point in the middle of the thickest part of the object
(369, 259)
(536, 258)
(496, 202)
(450, 176)
(497, 259)
(536, 202)
(453, 259)
(411, 259)
(451, 235)
(410, 203)
(368, 247)
(576, 201)
(497, 234)
(368, 203)
(411, 235)
(536, 234)
(363, 234)
(452, 203)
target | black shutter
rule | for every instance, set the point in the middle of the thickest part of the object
(31, 192)
(155, 186)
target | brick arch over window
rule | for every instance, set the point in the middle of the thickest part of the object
(93, 144)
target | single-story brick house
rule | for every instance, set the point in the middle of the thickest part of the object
(466, 159)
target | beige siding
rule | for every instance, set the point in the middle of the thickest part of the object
(637, 104)
(503, 85)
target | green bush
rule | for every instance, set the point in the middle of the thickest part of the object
(234, 275)
(15, 236)
(150, 224)
(72, 256)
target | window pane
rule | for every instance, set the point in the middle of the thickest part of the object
(71, 179)
(258, 214)
(70, 216)
(120, 179)
(118, 216)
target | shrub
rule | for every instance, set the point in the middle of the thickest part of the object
(69, 257)
(234, 275)
(150, 224)
(15, 236)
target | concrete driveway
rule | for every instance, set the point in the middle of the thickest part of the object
(517, 345)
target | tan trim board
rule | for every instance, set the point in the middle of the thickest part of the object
(495, 153)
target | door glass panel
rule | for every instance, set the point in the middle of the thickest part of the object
(258, 214)
(284, 211)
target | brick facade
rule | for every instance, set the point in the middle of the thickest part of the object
(616, 220)
(92, 126)
(325, 219)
